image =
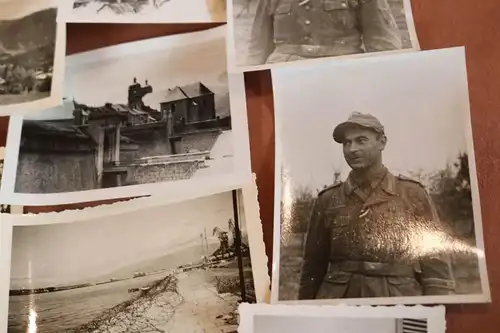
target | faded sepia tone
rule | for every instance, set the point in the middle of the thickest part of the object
(148, 121)
(27, 49)
(149, 10)
(396, 219)
(141, 273)
(217, 10)
(259, 39)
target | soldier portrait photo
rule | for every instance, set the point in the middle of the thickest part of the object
(379, 195)
(267, 32)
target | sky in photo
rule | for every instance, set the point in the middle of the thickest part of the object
(107, 80)
(421, 99)
(61, 254)
(15, 9)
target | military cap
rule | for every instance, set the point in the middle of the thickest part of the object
(357, 119)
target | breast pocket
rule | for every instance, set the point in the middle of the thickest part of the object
(340, 13)
(281, 11)
(338, 222)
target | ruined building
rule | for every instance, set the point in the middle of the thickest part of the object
(121, 144)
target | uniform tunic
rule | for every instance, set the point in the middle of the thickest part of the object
(374, 245)
(286, 30)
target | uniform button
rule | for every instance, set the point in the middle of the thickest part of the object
(307, 22)
(342, 41)
(344, 4)
(307, 7)
(309, 49)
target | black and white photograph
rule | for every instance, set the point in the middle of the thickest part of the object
(266, 33)
(144, 11)
(182, 267)
(30, 49)
(264, 318)
(377, 199)
(3, 208)
(144, 113)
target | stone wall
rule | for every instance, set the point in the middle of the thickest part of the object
(147, 174)
(197, 141)
(52, 173)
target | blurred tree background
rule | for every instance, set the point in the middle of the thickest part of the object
(449, 188)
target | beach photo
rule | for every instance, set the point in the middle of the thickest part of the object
(267, 33)
(263, 318)
(377, 201)
(182, 267)
(144, 11)
(30, 47)
(139, 114)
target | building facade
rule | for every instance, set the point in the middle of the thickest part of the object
(121, 144)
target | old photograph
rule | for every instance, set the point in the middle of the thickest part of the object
(147, 112)
(271, 32)
(377, 199)
(263, 318)
(30, 47)
(183, 267)
(144, 11)
(3, 207)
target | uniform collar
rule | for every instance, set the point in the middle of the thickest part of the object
(388, 182)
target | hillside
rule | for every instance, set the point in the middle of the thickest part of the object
(191, 254)
(31, 37)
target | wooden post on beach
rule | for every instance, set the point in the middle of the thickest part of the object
(237, 245)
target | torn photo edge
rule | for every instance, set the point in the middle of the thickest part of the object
(485, 295)
(248, 193)
(241, 171)
(435, 315)
(56, 90)
(233, 55)
(214, 14)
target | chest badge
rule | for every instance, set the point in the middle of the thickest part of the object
(364, 212)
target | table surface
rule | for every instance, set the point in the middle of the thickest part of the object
(440, 24)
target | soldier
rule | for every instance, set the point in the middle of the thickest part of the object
(366, 236)
(287, 30)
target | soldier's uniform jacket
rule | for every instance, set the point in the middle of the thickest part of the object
(318, 28)
(361, 245)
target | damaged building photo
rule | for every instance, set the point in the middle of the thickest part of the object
(113, 145)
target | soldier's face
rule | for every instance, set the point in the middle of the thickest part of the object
(362, 147)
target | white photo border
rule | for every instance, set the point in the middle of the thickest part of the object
(67, 15)
(241, 171)
(233, 67)
(248, 196)
(484, 297)
(55, 97)
(435, 315)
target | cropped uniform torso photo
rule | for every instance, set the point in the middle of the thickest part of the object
(370, 245)
(288, 30)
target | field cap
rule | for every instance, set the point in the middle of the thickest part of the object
(357, 119)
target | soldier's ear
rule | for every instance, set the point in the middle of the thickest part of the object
(382, 140)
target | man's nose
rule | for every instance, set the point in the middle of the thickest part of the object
(353, 147)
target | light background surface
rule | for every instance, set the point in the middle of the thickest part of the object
(15, 9)
(71, 253)
(421, 100)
